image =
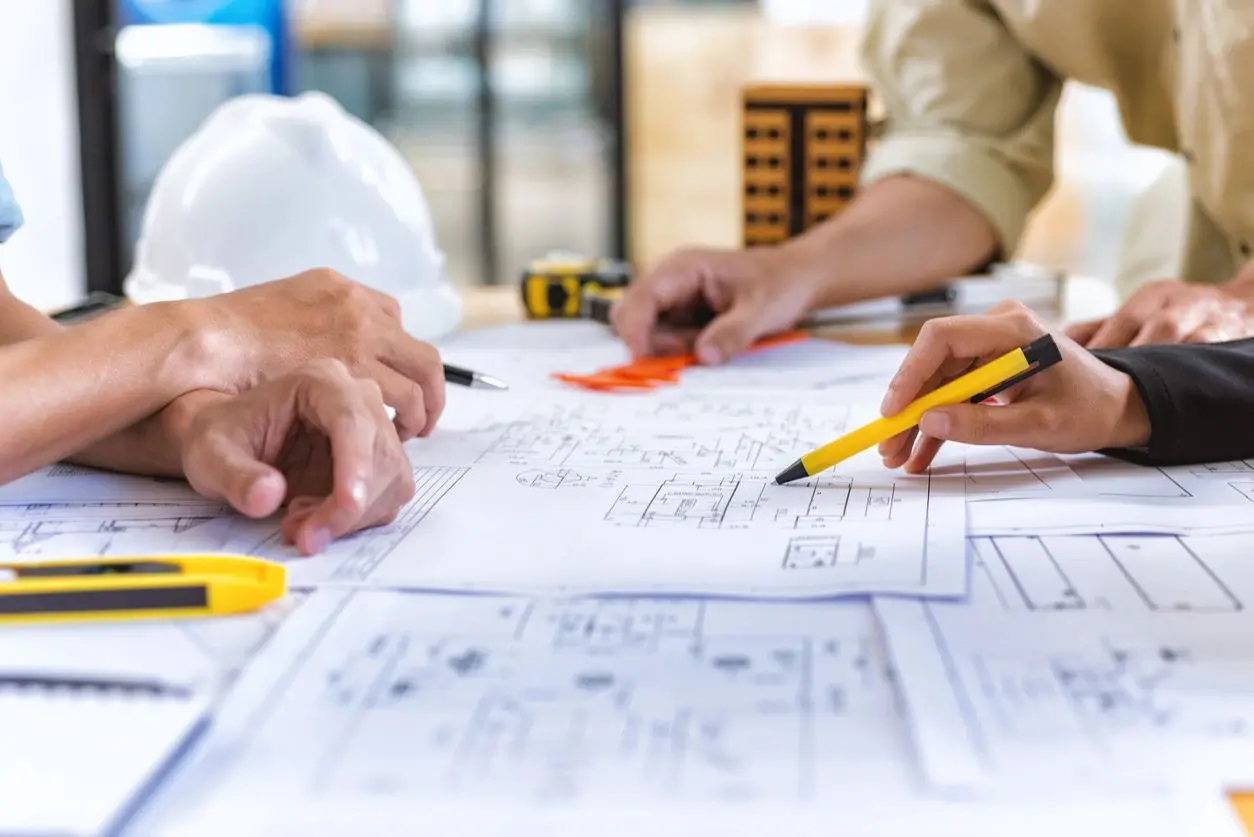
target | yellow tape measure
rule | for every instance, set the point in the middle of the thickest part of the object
(556, 288)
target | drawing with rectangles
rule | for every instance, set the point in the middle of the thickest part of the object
(1112, 572)
(197, 526)
(1083, 659)
(519, 715)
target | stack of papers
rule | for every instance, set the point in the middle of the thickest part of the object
(599, 608)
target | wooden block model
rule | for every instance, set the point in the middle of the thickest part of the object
(803, 147)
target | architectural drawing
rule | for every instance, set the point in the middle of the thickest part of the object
(645, 531)
(1118, 651)
(1105, 572)
(553, 478)
(742, 501)
(53, 530)
(688, 431)
(1075, 699)
(137, 528)
(357, 556)
(386, 696)
(531, 716)
(819, 552)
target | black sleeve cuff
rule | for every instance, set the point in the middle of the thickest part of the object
(1200, 401)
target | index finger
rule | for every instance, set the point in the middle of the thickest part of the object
(964, 337)
(352, 427)
(421, 363)
(636, 313)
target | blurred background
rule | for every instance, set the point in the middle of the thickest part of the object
(606, 127)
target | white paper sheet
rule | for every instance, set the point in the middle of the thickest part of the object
(1099, 515)
(528, 361)
(74, 762)
(999, 472)
(669, 493)
(62, 483)
(576, 493)
(518, 716)
(204, 655)
(1082, 660)
(1109, 496)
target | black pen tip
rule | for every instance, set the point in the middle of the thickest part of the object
(795, 471)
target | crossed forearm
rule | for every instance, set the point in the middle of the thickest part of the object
(94, 393)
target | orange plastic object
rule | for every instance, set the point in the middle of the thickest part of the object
(652, 372)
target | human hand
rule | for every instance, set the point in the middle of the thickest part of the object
(316, 438)
(1172, 311)
(1081, 404)
(269, 329)
(750, 293)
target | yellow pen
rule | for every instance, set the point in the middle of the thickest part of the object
(151, 587)
(975, 386)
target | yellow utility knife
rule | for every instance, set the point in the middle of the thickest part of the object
(150, 587)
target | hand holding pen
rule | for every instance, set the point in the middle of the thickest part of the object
(1082, 404)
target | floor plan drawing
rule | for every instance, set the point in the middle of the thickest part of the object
(1073, 697)
(355, 557)
(558, 703)
(741, 501)
(999, 472)
(59, 530)
(56, 530)
(568, 531)
(1116, 649)
(674, 431)
(1105, 572)
(65, 483)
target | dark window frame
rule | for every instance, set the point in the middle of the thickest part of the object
(95, 27)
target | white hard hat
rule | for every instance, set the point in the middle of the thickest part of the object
(271, 186)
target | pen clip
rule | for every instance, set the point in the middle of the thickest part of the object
(1040, 354)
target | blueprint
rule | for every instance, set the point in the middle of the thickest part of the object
(1114, 516)
(58, 530)
(571, 493)
(526, 716)
(204, 655)
(673, 493)
(1099, 659)
(1112, 496)
(64, 483)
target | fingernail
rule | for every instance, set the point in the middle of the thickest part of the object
(319, 540)
(935, 425)
(709, 355)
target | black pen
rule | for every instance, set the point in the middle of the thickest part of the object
(467, 378)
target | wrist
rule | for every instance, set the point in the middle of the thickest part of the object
(179, 416)
(1132, 424)
(203, 356)
(803, 264)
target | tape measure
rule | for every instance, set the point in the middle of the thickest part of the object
(559, 286)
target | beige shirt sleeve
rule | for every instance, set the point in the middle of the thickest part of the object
(966, 106)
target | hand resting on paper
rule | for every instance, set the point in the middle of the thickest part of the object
(1081, 404)
(317, 438)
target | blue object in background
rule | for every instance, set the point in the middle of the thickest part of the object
(269, 15)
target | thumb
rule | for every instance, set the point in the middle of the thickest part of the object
(980, 424)
(729, 334)
(232, 473)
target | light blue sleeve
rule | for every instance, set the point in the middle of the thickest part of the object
(10, 212)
